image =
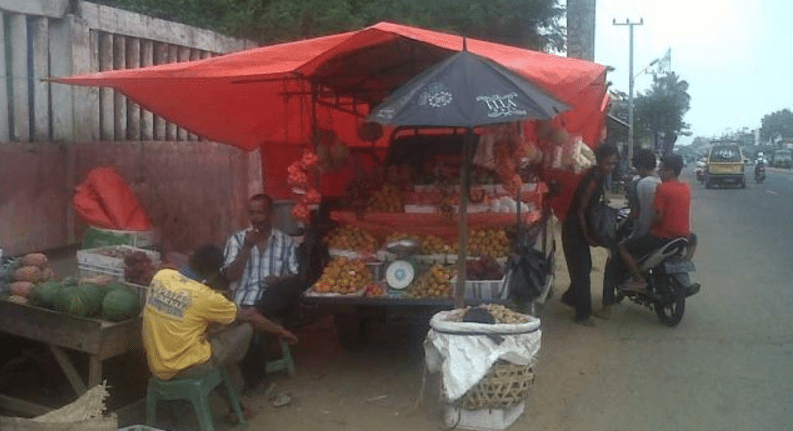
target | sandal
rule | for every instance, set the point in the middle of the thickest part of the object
(281, 400)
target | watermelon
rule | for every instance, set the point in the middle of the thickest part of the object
(120, 304)
(84, 300)
(45, 294)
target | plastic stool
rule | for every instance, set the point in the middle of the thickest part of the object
(196, 390)
(285, 363)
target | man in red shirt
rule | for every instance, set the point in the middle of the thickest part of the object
(672, 205)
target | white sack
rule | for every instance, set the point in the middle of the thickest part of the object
(464, 352)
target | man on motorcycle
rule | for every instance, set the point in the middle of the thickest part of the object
(759, 166)
(640, 196)
(672, 204)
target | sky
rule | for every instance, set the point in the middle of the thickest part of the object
(736, 55)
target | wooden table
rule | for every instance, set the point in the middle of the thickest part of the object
(99, 339)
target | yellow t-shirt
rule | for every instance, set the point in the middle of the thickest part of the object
(175, 320)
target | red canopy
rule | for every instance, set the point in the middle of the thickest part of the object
(262, 98)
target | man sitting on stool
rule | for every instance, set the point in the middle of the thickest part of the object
(180, 308)
(261, 265)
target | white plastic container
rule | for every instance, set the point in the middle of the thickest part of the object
(484, 419)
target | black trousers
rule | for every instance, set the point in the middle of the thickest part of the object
(614, 274)
(579, 266)
(277, 302)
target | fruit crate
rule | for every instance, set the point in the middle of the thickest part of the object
(96, 260)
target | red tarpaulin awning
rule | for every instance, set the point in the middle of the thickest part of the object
(262, 98)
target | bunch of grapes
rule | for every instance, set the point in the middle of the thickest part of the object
(138, 268)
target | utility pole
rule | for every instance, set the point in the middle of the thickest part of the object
(630, 84)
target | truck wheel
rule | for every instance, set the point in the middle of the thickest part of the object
(743, 183)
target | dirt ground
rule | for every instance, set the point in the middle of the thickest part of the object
(378, 386)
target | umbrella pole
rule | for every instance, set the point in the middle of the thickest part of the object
(462, 253)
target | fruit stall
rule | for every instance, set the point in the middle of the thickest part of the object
(94, 314)
(392, 250)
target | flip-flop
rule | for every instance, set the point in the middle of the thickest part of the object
(281, 400)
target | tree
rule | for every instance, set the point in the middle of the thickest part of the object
(658, 113)
(779, 123)
(525, 23)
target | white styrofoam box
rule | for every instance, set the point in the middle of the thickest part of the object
(484, 419)
(93, 257)
(486, 289)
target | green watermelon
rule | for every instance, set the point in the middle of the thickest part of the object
(120, 304)
(84, 300)
(46, 294)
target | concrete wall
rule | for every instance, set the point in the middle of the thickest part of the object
(194, 192)
(51, 135)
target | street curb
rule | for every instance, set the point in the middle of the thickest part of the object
(784, 171)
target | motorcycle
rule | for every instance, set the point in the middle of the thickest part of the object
(666, 272)
(759, 173)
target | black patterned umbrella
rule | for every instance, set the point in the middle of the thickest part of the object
(466, 90)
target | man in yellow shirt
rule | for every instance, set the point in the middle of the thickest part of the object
(180, 308)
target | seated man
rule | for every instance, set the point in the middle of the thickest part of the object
(180, 308)
(261, 265)
(672, 204)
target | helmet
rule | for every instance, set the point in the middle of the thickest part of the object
(760, 154)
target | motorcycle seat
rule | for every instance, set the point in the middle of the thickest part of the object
(677, 247)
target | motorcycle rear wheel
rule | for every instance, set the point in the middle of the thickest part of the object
(671, 307)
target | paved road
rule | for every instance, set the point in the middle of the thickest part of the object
(727, 366)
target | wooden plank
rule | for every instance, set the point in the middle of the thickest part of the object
(121, 337)
(50, 327)
(118, 21)
(85, 59)
(106, 94)
(68, 369)
(119, 100)
(133, 109)
(170, 128)
(60, 46)
(39, 34)
(94, 371)
(146, 116)
(195, 54)
(5, 119)
(21, 406)
(183, 54)
(19, 77)
(160, 57)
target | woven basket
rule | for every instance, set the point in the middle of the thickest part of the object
(505, 385)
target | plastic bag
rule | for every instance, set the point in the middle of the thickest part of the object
(105, 200)
(602, 223)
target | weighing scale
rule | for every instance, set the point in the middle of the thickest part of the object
(401, 272)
